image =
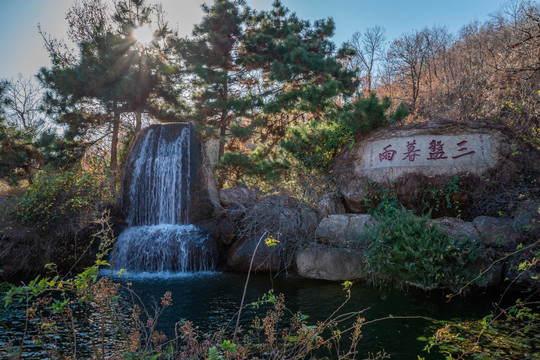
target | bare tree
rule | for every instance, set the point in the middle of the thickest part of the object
(411, 58)
(23, 108)
(408, 56)
(369, 48)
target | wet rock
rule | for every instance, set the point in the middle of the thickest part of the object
(227, 231)
(203, 199)
(327, 263)
(266, 258)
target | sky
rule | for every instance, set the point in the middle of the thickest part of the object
(21, 46)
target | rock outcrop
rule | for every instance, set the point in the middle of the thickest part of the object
(203, 196)
(344, 230)
(413, 160)
(497, 232)
(237, 196)
(282, 218)
(329, 263)
(330, 204)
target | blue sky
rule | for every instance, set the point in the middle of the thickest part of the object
(21, 47)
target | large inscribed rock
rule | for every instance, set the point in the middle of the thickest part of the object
(388, 159)
(414, 159)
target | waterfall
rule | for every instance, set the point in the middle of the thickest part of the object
(156, 193)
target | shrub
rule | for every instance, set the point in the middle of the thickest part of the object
(405, 250)
(315, 144)
(58, 199)
(443, 200)
(379, 199)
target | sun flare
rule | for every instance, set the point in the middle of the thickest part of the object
(143, 34)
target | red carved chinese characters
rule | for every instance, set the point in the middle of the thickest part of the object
(462, 148)
(436, 150)
(412, 151)
(387, 154)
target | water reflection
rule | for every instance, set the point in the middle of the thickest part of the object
(211, 299)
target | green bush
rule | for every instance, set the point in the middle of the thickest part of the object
(315, 144)
(249, 169)
(379, 199)
(58, 199)
(405, 250)
(443, 200)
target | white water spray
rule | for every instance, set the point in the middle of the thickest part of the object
(159, 237)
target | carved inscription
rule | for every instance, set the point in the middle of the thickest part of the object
(429, 150)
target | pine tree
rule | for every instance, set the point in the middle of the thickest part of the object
(112, 75)
(210, 59)
(255, 73)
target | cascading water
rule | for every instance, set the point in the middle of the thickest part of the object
(159, 237)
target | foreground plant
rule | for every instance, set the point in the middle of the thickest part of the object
(59, 311)
(405, 250)
(509, 332)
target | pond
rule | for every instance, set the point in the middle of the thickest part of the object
(210, 300)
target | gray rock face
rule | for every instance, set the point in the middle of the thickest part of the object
(354, 189)
(456, 227)
(329, 263)
(330, 204)
(237, 196)
(496, 232)
(344, 230)
(527, 218)
(211, 148)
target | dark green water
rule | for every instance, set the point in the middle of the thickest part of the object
(211, 299)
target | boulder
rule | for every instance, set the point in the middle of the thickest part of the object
(354, 190)
(237, 196)
(414, 160)
(329, 204)
(227, 231)
(344, 230)
(267, 259)
(527, 218)
(287, 220)
(456, 227)
(496, 232)
(493, 275)
(327, 263)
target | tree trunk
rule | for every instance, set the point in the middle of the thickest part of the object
(138, 120)
(114, 148)
(222, 132)
(223, 121)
